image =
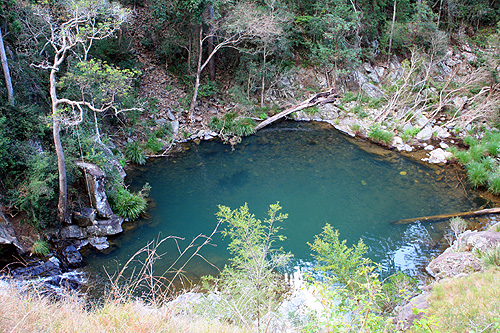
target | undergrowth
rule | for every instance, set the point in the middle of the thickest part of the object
(481, 161)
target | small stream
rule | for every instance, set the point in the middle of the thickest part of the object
(316, 173)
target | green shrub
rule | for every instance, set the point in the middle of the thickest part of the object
(491, 257)
(244, 126)
(398, 289)
(463, 157)
(349, 97)
(163, 131)
(208, 89)
(36, 193)
(312, 110)
(127, 204)
(352, 289)
(376, 103)
(477, 174)
(492, 147)
(230, 124)
(249, 286)
(356, 128)
(135, 153)
(470, 141)
(359, 111)
(153, 144)
(494, 183)
(380, 135)
(478, 151)
(40, 248)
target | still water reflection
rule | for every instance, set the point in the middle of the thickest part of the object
(317, 174)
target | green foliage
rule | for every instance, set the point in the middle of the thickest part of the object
(481, 161)
(356, 128)
(40, 248)
(491, 257)
(231, 124)
(35, 194)
(477, 174)
(398, 289)
(494, 183)
(349, 97)
(249, 286)
(96, 81)
(410, 133)
(353, 292)
(343, 264)
(208, 89)
(163, 131)
(153, 145)
(135, 153)
(380, 135)
(312, 110)
(127, 204)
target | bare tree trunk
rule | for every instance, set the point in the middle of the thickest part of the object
(392, 30)
(211, 64)
(6, 73)
(263, 84)
(62, 205)
(199, 69)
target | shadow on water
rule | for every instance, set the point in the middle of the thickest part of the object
(317, 174)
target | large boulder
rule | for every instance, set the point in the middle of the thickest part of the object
(85, 217)
(438, 156)
(73, 232)
(108, 227)
(72, 256)
(37, 269)
(100, 243)
(95, 177)
(406, 315)
(451, 264)
(481, 240)
(7, 234)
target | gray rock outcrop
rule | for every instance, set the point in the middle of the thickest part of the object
(85, 217)
(7, 234)
(406, 316)
(94, 177)
(95, 233)
(451, 264)
(481, 240)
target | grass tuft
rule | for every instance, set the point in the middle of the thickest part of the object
(469, 304)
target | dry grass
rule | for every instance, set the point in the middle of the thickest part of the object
(31, 313)
(469, 304)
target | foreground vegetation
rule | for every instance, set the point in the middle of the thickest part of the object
(248, 295)
(468, 304)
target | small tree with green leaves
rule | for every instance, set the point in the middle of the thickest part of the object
(352, 291)
(249, 286)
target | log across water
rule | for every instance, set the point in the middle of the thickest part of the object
(441, 217)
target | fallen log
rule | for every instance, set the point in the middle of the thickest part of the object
(441, 217)
(320, 98)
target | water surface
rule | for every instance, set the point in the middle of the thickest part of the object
(316, 173)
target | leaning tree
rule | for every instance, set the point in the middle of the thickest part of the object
(71, 28)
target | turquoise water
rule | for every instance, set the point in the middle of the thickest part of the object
(317, 174)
